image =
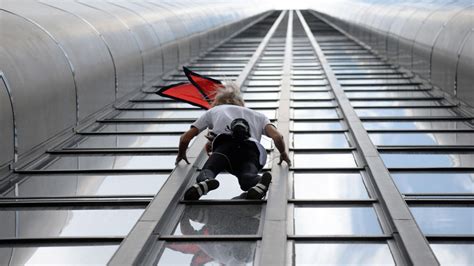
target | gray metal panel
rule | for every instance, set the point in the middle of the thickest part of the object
(122, 45)
(7, 141)
(447, 48)
(159, 19)
(426, 37)
(91, 61)
(177, 25)
(144, 34)
(41, 81)
(465, 77)
(409, 31)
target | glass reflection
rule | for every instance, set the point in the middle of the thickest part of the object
(273, 104)
(160, 162)
(404, 112)
(219, 220)
(160, 114)
(261, 96)
(87, 185)
(435, 182)
(336, 221)
(419, 139)
(323, 160)
(145, 127)
(416, 125)
(309, 82)
(394, 103)
(315, 126)
(428, 159)
(454, 254)
(310, 88)
(144, 141)
(208, 253)
(229, 188)
(386, 94)
(328, 103)
(445, 220)
(311, 113)
(320, 140)
(264, 83)
(329, 186)
(310, 95)
(37, 223)
(374, 81)
(342, 254)
(57, 255)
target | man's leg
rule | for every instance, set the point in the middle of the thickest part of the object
(217, 162)
(247, 173)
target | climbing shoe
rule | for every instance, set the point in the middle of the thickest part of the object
(199, 189)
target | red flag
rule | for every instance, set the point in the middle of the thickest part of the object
(200, 92)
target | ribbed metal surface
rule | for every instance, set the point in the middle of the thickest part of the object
(66, 60)
(431, 38)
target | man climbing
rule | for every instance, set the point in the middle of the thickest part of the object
(235, 133)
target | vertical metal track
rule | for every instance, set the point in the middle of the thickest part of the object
(132, 249)
(274, 236)
(404, 228)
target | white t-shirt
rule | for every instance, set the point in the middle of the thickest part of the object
(219, 118)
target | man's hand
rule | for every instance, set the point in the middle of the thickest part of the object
(184, 142)
(181, 156)
(284, 157)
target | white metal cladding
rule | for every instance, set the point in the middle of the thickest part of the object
(65, 59)
(428, 37)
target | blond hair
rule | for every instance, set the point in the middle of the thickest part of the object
(229, 93)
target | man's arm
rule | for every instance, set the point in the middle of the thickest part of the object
(184, 142)
(273, 133)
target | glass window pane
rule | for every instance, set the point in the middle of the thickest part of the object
(261, 96)
(265, 104)
(435, 182)
(329, 186)
(145, 127)
(328, 103)
(314, 113)
(342, 254)
(454, 254)
(229, 188)
(208, 253)
(309, 82)
(300, 95)
(160, 114)
(428, 160)
(162, 162)
(323, 160)
(36, 223)
(374, 81)
(260, 89)
(445, 220)
(386, 94)
(416, 125)
(419, 139)
(219, 220)
(336, 221)
(310, 88)
(87, 185)
(48, 255)
(394, 103)
(264, 83)
(319, 140)
(145, 141)
(384, 112)
(315, 126)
